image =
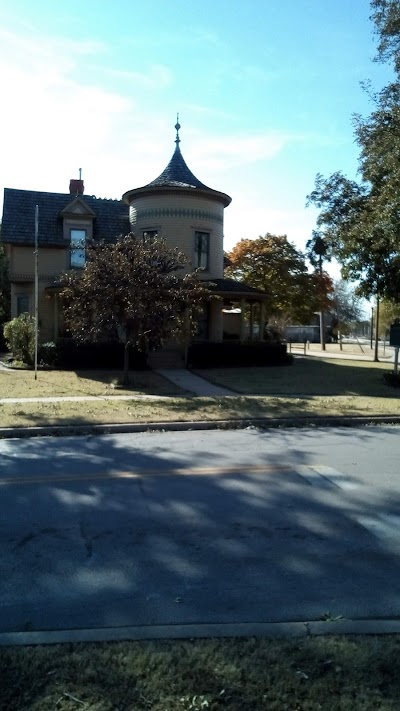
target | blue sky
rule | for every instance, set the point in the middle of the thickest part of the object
(265, 90)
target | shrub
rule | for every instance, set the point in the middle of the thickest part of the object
(91, 356)
(233, 355)
(3, 346)
(47, 354)
(19, 335)
(392, 378)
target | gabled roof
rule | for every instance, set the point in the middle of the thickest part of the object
(78, 207)
(110, 220)
(177, 176)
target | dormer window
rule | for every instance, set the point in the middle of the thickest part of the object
(201, 250)
(78, 248)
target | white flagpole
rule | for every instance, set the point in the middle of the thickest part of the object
(36, 286)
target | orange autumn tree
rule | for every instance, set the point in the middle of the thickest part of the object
(276, 266)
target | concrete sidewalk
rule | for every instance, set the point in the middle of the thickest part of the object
(182, 378)
(342, 355)
(193, 383)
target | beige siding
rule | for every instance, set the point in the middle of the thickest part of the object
(198, 214)
(78, 223)
(52, 261)
(45, 306)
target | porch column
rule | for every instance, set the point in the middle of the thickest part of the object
(251, 324)
(216, 321)
(55, 316)
(242, 321)
(262, 321)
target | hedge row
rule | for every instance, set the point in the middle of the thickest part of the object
(69, 355)
(231, 355)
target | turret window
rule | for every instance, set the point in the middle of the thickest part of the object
(78, 248)
(201, 250)
(149, 235)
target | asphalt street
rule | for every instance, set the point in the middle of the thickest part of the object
(199, 527)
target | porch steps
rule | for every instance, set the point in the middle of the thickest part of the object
(168, 358)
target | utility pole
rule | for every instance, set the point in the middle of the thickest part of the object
(371, 332)
(36, 285)
(321, 313)
(376, 359)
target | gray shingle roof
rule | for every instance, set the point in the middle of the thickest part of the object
(177, 174)
(232, 286)
(18, 224)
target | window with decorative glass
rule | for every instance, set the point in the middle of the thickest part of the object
(78, 248)
(201, 250)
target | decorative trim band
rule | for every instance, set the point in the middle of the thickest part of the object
(150, 214)
(31, 277)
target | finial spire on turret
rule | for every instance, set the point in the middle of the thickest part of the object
(177, 127)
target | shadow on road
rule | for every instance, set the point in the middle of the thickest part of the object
(159, 545)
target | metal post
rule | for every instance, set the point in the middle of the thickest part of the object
(322, 330)
(321, 314)
(396, 359)
(36, 286)
(372, 326)
(376, 359)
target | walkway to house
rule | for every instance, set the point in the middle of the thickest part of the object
(183, 378)
(193, 383)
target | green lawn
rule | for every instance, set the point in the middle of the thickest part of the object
(313, 674)
(317, 388)
(21, 383)
(307, 376)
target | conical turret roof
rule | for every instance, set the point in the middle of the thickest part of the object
(177, 176)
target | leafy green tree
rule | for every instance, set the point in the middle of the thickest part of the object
(19, 335)
(132, 291)
(389, 311)
(386, 17)
(358, 221)
(346, 307)
(276, 266)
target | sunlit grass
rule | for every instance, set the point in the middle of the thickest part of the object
(21, 383)
(187, 409)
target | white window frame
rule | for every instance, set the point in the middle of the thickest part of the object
(150, 233)
(22, 296)
(198, 261)
(78, 248)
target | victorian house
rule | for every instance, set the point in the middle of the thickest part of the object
(175, 206)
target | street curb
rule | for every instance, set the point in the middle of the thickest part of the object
(258, 422)
(204, 631)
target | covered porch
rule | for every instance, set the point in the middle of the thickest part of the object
(239, 314)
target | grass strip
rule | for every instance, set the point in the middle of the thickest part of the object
(329, 673)
(187, 409)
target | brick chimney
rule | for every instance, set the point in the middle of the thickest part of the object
(76, 186)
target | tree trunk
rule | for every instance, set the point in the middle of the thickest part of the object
(125, 377)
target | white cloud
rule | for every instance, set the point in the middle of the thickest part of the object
(225, 152)
(158, 76)
(57, 121)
